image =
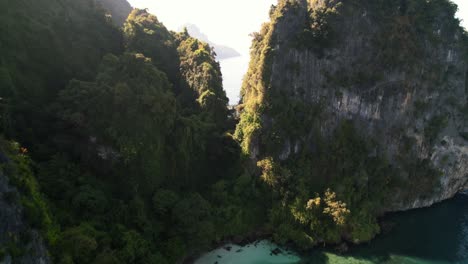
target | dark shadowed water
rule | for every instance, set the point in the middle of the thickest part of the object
(436, 235)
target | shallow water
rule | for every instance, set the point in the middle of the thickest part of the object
(256, 253)
(436, 235)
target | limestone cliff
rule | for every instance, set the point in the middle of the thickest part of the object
(396, 69)
(18, 242)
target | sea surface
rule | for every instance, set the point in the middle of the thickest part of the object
(435, 235)
(233, 70)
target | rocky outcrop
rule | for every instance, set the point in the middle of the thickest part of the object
(15, 232)
(222, 52)
(397, 70)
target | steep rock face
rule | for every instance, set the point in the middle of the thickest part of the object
(397, 70)
(14, 229)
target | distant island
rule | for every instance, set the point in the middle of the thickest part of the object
(222, 51)
(118, 144)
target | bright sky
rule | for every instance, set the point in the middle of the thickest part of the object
(463, 11)
(227, 22)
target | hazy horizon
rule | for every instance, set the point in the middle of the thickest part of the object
(224, 22)
(227, 22)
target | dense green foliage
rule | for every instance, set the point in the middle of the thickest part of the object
(330, 194)
(145, 34)
(332, 185)
(130, 132)
(43, 45)
(132, 156)
(203, 76)
(19, 170)
(118, 10)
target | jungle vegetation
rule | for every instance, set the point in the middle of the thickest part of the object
(123, 149)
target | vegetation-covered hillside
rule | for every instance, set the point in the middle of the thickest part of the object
(355, 108)
(116, 134)
(117, 9)
(125, 152)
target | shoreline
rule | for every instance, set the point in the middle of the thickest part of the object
(256, 236)
(386, 227)
(241, 240)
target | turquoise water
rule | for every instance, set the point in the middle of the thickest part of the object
(436, 235)
(256, 253)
